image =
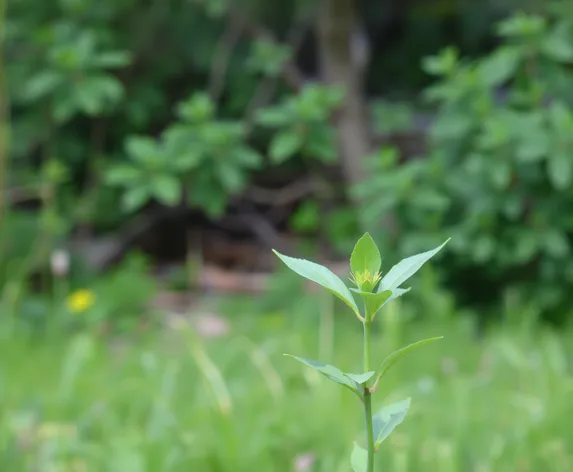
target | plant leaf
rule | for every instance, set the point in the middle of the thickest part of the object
(284, 145)
(359, 459)
(361, 378)
(557, 44)
(41, 85)
(560, 171)
(406, 268)
(333, 373)
(365, 256)
(166, 189)
(500, 66)
(135, 198)
(322, 276)
(122, 174)
(389, 362)
(384, 422)
(374, 301)
(112, 59)
(397, 292)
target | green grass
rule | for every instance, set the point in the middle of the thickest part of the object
(174, 403)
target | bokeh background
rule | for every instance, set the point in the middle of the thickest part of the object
(154, 152)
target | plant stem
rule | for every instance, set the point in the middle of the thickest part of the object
(369, 430)
(367, 325)
(368, 396)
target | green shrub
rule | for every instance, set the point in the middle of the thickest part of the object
(499, 173)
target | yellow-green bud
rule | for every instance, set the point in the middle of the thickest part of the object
(366, 281)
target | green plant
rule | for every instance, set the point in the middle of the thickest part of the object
(499, 171)
(121, 298)
(301, 124)
(144, 403)
(198, 156)
(375, 292)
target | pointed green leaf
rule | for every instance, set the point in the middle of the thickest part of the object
(122, 175)
(361, 378)
(135, 198)
(397, 292)
(333, 373)
(284, 145)
(387, 419)
(359, 459)
(322, 276)
(560, 171)
(397, 355)
(498, 67)
(365, 256)
(374, 301)
(406, 268)
(166, 189)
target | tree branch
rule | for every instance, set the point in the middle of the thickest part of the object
(291, 73)
(267, 87)
(222, 56)
(284, 196)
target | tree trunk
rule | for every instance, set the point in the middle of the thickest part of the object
(343, 61)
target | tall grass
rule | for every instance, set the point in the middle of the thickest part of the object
(178, 403)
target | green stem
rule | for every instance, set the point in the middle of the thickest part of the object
(367, 325)
(368, 397)
(369, 430)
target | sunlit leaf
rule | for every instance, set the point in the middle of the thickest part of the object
(285, 145)
(365, 256)
(560, 170)
(135, 198)
(322, 276)
(374, 301)
(41, 85)
(333, 373)
(359, 459)
(386, 420)
(166, 189)
(500, 66)
(113, 59)
(406, 268)
(389, 362)
(122, 174)
(361, 378)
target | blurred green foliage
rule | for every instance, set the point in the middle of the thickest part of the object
(119, 105)
(85, 79)
(116, 106)
(175, 402)
(499, 173)
(205, 157)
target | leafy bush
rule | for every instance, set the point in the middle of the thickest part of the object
(498, 177)
(204, 158)
(85, 78)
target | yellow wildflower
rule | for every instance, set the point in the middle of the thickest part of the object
(80, 301)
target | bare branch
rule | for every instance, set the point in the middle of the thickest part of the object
(291, 73)
(267, 86)
(222, 57)
(19, 195)
(284, 196)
